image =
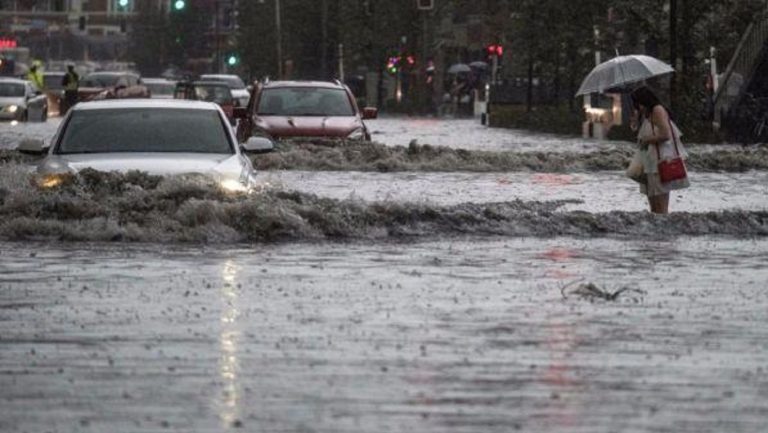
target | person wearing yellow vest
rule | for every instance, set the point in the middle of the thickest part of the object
(35, 76)
(70, 82)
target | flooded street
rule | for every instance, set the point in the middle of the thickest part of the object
(464, 335)
(376, 296)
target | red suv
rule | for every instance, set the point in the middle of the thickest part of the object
(283, 109)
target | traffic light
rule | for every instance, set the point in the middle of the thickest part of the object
(494, 50)
(233, 60)
(393, 64)
(123, 4)
(81, 22)
(179, 5)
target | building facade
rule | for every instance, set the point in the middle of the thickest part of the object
(79, 30)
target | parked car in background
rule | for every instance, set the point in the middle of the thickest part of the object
(112, 85)
(154, 136)
(282, 109)
(20, 101)
(160, 88)
(209, 91)
(239, 90)
(54, 90)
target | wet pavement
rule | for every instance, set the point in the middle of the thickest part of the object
(458, 336)
(350, 301)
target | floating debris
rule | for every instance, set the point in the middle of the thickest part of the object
(593, 291)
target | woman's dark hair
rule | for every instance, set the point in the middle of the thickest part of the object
(644, 97)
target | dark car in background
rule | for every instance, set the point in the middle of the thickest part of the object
(160, 88)
(239, 90)
(209, 91)
(284, 109)
(112, 85)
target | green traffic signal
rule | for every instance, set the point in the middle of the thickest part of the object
(123, 3)
(179, 5)
(232, 60)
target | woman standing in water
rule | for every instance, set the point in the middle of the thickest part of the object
(659, 140)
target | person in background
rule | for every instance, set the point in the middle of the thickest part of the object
(35, 76)
(659, 139)
(70, 82)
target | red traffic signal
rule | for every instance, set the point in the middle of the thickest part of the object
(495, 50)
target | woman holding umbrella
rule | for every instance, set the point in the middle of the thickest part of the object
(660, 152)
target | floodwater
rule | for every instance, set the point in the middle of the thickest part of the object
(464, 335)
(425, 298)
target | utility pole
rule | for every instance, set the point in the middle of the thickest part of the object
(216, 32)
(278, 37)
(673, 51)
(324, 40)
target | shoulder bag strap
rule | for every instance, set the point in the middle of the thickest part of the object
(674, 140)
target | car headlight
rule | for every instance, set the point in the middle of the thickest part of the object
(233, 186)
(52, 180)
(357, 134)
(11, 108)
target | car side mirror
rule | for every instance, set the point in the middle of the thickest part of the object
(33, 146)
(258, 145)
(370, 113)
(240, 113)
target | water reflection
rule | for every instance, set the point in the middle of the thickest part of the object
(229, 338)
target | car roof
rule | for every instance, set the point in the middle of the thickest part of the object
(219, 76)
(321, 84)
(112, 73)
(145, 103)
(157, 80)
(12, 80)
(210, 84)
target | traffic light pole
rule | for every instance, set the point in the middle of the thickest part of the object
(216, 32)
(278, 32)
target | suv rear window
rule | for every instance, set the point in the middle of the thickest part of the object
(304, 101)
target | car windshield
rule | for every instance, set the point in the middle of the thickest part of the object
(145, 130)
(13, 90)
(233, 82)
(53, 82)
(217, 94)
(304, 101)
(161, 88)
(100, 80)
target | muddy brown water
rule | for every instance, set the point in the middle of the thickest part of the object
(466, 335)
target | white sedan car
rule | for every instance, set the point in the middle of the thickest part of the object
(21, 102)
(161, 137)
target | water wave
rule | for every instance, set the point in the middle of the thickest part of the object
(366, 156)
(142, 208)
(330, 155)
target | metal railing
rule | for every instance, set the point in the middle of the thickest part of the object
(741, 67)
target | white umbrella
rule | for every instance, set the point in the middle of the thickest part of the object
(459, 68)
(622, 71)
(479, 64)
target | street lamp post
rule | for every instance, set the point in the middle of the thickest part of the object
(278, 43)
(278, 33)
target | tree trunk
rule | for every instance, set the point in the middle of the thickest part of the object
(529, 91)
